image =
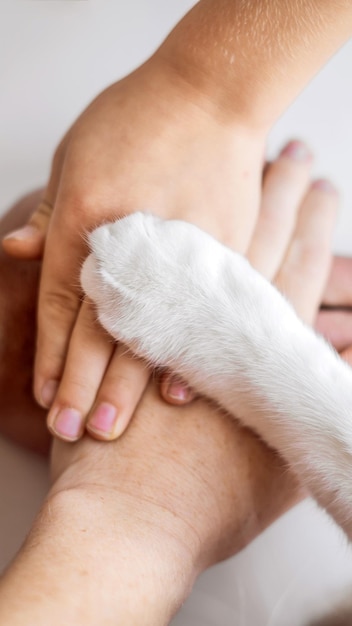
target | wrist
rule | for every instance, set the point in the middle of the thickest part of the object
(136, 572)
(231, 52)
(141, 564)
(86, 563)
(189, 75)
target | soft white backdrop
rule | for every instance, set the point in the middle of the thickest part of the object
(55, 55)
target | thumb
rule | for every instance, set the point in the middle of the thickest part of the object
(28, 241)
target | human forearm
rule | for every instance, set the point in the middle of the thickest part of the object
(129, 525)
(86, 561)
(252, 58)
(173, 477)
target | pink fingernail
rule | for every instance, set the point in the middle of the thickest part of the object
(324, 185)
(178, 391)
(297, 150)
(103, 418)
(26, 232)
(68, 423)
(48, 393)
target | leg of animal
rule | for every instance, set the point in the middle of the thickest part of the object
(182, 300)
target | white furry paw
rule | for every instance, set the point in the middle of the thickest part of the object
(149, 280)
(180, 299)
(177, 297)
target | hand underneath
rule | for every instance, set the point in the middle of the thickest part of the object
(185, 487)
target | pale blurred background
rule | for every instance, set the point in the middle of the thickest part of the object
(55, 56)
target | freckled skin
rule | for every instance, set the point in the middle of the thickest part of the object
(250, 44)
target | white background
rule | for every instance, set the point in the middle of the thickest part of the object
(55, 55)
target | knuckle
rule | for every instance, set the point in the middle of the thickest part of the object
(310, 257)
(89, 325)
(121, 384)
(58, 303)
(312, 252)
(43, 210)
(78, 383)
(77, 394)
(80, 210)
(85, 207)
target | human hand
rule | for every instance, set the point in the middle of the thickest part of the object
(21, 418)
(129, 525)
(184, 487)
(188, 452)
(287, 197)
(160, 482)
(149, 141)
(162, 490)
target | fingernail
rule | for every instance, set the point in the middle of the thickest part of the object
(296, 150)
(48, 393)
(324, 185)
(178, 391)
(103, 418)
(26, 232)
(68, 423)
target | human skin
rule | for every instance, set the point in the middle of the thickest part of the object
(183, 134)
(335, 320)
(184, 487)
(285, 184)
(129, 525)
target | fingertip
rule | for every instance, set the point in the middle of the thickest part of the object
(297, 150)
(324, 198)
(66, 424)
(102, 423)
(26, 243)
(325, 185)
(107, 423)
(104, 436)
(347, 355)
(175, 391)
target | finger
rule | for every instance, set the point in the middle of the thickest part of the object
(347, 355)
(284, 186)
(59, 303)
(89, 353)
(28, 241)
(306, 267)
(336, 327)
(120, 391)
(75, 213)
(338, 291)
(175, 391)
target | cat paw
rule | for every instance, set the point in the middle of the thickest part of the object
(141, 272)
(176, 296)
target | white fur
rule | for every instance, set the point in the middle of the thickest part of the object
(180, 299)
